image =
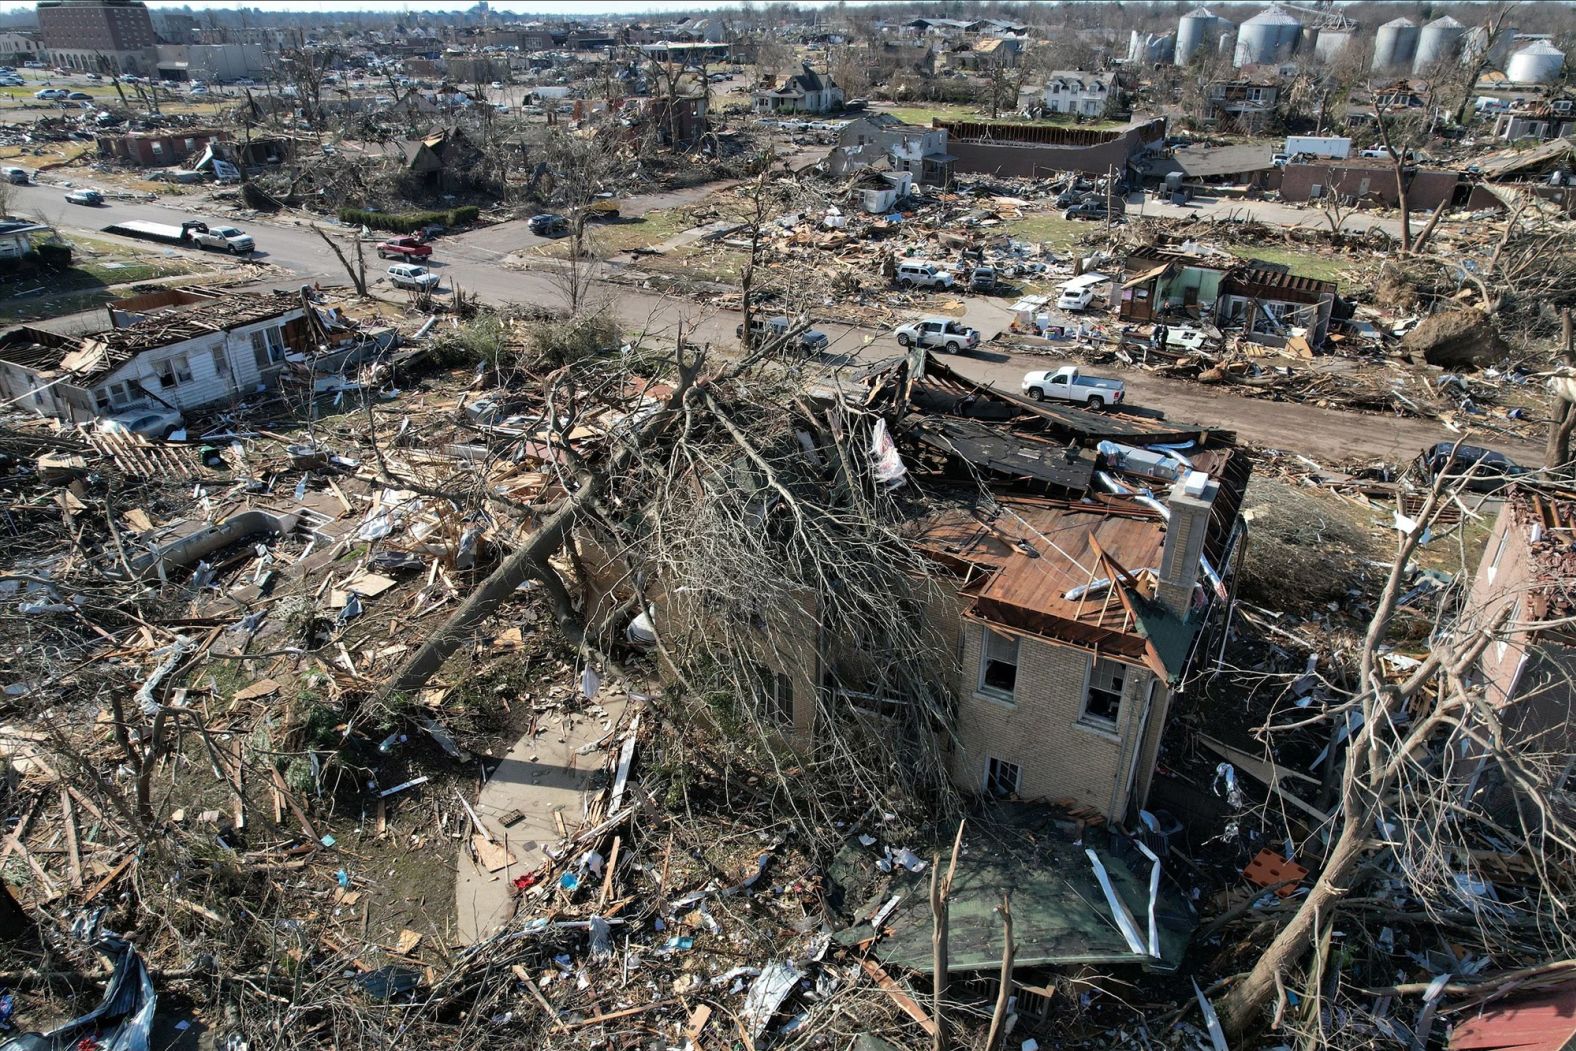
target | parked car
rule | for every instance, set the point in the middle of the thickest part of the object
(50, 94)
(941, 332)
(920, 274)
(18, 176)
(548, 225)
(983, 279)
(1081, 292)
(90, 197)
(224, 238)
(79, 96)
(496, 85)
(12, 82)
(811, 341)
(404, 248)
(1094, 208)
(1480, 469)
(1069, 384)
(149, 422)
(406, 275)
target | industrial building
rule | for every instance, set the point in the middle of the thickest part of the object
(1395, 45)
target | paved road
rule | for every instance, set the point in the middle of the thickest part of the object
(470, 261)
(1275, 212)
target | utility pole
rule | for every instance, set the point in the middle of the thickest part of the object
(1110, 188)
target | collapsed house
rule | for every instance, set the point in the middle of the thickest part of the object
(1271, 305)
(181, 348)
(1039, 150)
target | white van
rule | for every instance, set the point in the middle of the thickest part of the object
(1080, 292)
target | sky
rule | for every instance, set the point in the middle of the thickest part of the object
(523, 7)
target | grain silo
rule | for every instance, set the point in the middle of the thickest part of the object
(1538, 63)
(1395, 44)
(1330, 42)
(1267, 38)
(1439, 41)
(1494, 49)
(1195, 32)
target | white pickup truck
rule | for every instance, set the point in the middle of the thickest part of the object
(224, 238)
(941, 332)
(1068, 384)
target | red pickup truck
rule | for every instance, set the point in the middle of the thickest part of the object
(404, 248)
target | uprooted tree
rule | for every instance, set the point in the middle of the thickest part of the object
(1436, 775)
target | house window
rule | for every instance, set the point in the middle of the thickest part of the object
(267, 347)
(157, 148)
(101, 399)
(999, 665)
(191, 144)
(1103, 702)
(774, 694)
(1002, 779)
(221, 362)
(173, 371)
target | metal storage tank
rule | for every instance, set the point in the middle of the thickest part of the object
(1331, 41)
(1538, 63)
(1496, 50)
(1268, 37)
(1195, 30)
(1439, 41)
(1395, 44)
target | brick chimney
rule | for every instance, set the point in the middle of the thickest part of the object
(1190, 501)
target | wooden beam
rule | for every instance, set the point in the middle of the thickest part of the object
(903, 1000)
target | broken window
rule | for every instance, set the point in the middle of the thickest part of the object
(268, 347)
(101, 399)
(1001, 778)
(173, 371)
(999, 665)
(221, 362)
(1103, 702)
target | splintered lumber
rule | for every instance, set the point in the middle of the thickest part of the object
(904, 1002)
(1267, 772)
(68, 822)
(530, 560)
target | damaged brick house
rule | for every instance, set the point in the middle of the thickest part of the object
(1065, 600)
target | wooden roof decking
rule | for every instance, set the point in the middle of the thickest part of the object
(1022, 561)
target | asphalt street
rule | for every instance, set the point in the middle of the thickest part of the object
(471, 261)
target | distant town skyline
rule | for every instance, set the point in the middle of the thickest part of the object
(555, 8)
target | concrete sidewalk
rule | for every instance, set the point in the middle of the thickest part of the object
(542, 776)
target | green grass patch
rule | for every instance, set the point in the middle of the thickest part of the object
(97, 266)
(1302, 264)
(1050, 228)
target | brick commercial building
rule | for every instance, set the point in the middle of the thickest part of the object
(1036, 150)
(1372, 181)
(99, 35)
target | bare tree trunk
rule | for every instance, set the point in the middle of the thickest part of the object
(531, 559)
(358, 273)
(1240, 1008)
(940, 889)
(998, 1018)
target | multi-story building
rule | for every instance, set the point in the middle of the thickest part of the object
(920, 151)
(99, 35)
(16, 48)
(1082, 94)
(1244, 104)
